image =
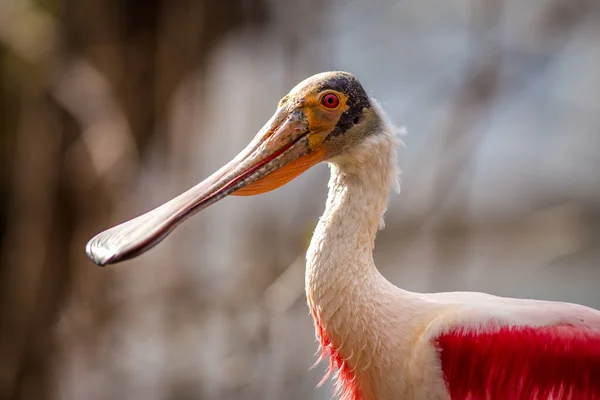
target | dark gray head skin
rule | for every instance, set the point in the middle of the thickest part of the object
(304, 130)
(358, 101)
(354, 122)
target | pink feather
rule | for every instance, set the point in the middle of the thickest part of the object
(554, 362)
(346, 380)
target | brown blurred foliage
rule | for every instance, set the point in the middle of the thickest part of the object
(78, 67)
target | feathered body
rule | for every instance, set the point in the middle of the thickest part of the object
(385, 342)
(388, 343)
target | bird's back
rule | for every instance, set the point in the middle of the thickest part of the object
(486, 346)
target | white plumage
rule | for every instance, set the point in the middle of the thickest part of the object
(387, 343)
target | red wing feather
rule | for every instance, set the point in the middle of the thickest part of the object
(346, 380)
(556, 362)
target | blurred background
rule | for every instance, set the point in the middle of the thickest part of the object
(110, 107)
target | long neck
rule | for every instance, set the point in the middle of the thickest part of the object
(345, 291)
(340, 269)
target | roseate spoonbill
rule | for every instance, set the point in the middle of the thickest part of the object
(382, 341)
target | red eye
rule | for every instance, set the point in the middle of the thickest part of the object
(330, 100)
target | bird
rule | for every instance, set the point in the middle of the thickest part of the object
(382, 342)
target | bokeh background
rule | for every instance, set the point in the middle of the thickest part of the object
(110, 107)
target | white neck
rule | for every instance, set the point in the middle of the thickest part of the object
(340, 275)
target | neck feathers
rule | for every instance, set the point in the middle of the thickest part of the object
(341, 251)
(341, 277)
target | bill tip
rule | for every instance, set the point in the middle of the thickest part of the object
(98, 253)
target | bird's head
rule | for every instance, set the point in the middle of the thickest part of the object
(318, 119)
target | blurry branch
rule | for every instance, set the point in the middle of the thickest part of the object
(26, 247)
(549, 32)
(281, 295)
(97, 89)
(472, 106)
(77, 86)
(560, 18)
(33, 245)
(463, 135)
(86, 94)
(29, 32)
(543, 40)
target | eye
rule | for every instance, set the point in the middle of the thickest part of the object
(330, 100)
